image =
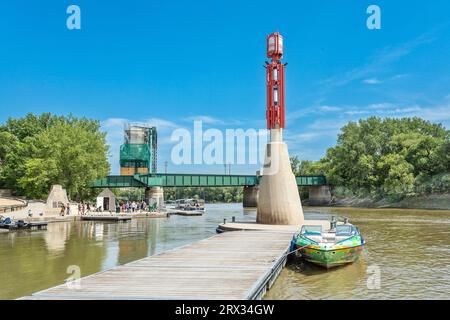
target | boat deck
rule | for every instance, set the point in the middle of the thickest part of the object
(231, 265)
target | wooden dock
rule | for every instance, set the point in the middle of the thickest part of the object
(38, 225)
(116, 218)
(230, 265)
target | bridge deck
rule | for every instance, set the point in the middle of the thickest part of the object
(194, 180)
(231, 265)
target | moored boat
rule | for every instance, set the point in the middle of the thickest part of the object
(188, 205)
(8, 223)
(328, 247)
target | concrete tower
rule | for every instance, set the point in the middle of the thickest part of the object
(278, 200)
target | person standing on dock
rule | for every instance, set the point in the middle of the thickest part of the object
(63, 209)
(68, 209)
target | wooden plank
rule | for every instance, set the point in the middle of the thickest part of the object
(231, 265)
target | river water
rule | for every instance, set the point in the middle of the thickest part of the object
(407, 254)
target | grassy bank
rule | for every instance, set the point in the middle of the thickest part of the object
(430, 202)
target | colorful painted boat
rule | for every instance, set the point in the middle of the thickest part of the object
(329, 247)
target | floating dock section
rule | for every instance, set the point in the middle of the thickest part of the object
(187, 213)
(230, 265)
(105, 218)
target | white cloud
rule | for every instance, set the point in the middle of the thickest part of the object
(309, 136)
(377, 63)
(213, 121)
(356, 112)
(380, 106)
(205, 119)
(162, 124)
(399, 76)
(401, 110)
(327, 124)
(302, 112)
(439, 114)
(329, 108)
(371, 81)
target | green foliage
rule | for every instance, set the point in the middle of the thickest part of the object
(216, 194)
(439, 183)
(130, 194)
(38, 151)
(386, 157)
(306, 167)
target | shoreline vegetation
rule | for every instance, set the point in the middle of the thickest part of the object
(423, 202)
(386, 163)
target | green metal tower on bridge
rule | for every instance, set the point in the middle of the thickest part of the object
(138, 154)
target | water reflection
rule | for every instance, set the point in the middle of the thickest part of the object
(56, 236)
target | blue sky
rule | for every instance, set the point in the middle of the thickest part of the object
(169, 62)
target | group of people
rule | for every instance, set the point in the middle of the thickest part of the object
(83, 208)
(126, 207)
(65, 209)
(133, 206)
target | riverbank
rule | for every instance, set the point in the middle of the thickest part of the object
(39, 212)
(428, 202)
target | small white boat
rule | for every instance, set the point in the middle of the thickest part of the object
(186, 207)
(186, 204)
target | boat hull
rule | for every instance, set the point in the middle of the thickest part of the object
(330, 258)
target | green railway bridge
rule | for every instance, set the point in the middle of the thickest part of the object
(154, 182)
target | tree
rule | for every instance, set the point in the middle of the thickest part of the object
(385, 157)
(398, 175)
(43, 150)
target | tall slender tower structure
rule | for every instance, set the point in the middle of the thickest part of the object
(278, 200)
(275, 113)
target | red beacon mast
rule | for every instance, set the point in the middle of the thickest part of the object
(275, 113)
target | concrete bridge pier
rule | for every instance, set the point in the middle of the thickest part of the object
(155, 195)
(319, 195)
(250, 196)
(278, 201)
